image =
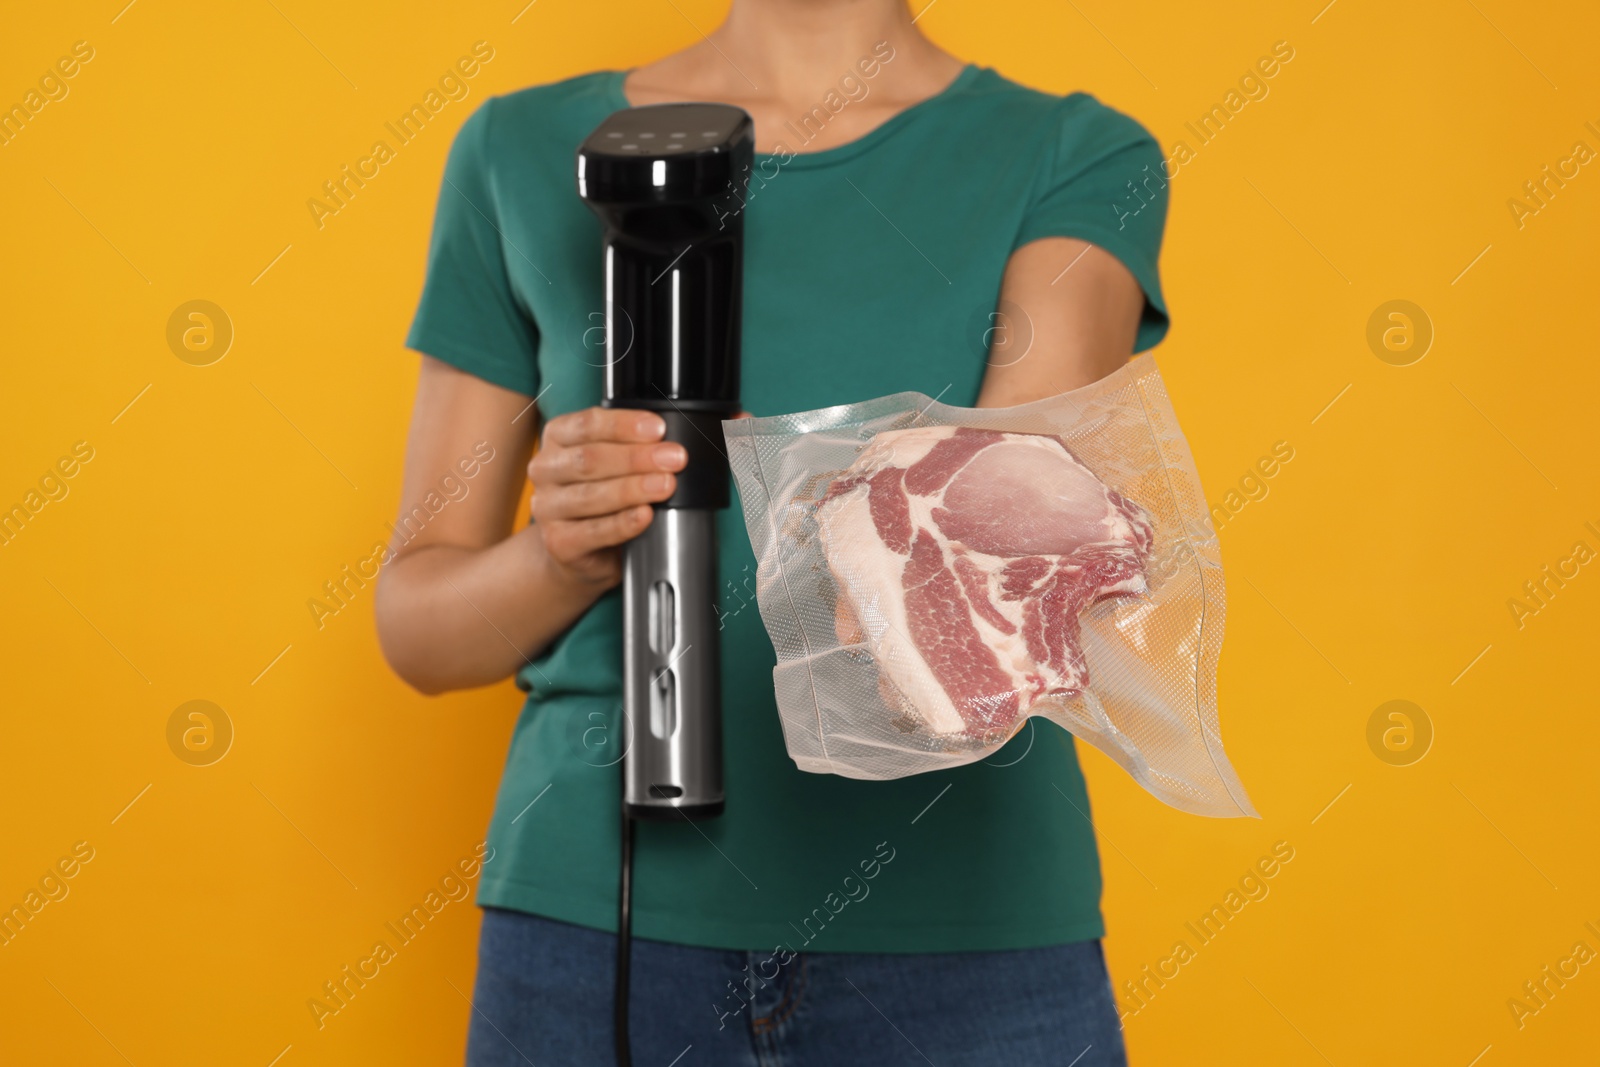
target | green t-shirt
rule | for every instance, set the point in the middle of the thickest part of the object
(870, 268)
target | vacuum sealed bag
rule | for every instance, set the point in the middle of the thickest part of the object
(932, 577)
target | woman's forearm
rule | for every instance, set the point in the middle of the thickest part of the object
(451, 617)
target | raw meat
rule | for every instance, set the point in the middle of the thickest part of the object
(967, 556)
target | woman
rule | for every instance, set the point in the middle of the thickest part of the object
(901, 196)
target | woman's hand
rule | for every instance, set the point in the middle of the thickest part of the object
(466, 601)
(594, 478)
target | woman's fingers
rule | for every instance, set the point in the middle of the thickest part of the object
(587, 500)
(597, 461)
(595, 477)
(604, 424)
(571, 540)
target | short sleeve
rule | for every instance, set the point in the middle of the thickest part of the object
(1106, 183)
(469, 316)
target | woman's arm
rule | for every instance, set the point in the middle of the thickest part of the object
(465, 602)
(1069, 314)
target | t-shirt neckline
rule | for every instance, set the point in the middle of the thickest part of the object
(886, 129)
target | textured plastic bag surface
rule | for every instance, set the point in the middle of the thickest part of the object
(933, 577)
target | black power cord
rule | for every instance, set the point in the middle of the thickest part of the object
(624, 943)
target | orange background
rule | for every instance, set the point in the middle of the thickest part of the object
(1378, 566)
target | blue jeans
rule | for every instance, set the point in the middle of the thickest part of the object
(544, 992)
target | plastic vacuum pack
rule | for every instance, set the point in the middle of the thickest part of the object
(935, 577)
